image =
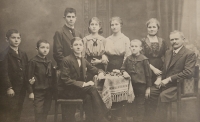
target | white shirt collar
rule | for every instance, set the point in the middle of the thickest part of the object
(15, 49)
(177, 50)
(72, 27)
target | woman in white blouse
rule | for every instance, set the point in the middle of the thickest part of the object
(117, 45)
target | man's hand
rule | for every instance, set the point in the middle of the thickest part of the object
(89, 83)
(165, 81)
(158, 82)
(31, 96)
(126, 75)
(32, 81)
(95, 61)
(147, 94)
(10, 92)
(101, 76)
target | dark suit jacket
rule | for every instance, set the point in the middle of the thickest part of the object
(61, 44)
(180, 66)
(13, 68)
(70, 72)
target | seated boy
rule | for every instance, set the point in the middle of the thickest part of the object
(72, 85)
(13, 63)
(137, 66)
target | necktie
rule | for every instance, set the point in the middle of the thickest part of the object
(94, 42)
(78, 57)
(174, 53)
(72, 32)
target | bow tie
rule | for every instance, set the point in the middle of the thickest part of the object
(78, 57)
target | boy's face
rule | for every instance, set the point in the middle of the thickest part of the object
(176, 40)
(135, 47)
(77, 47)
(43, 49)
(14, 40)
(70, 19)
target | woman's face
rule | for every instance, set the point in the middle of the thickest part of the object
(115, 26)
(152, 29)
(94, 26)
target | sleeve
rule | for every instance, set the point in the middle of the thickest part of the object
(92, 69)
(127, 48)
(30, 75)
(85, 47)
(58, 47)
(66, 75)
(148, 74)
(123, 68)
(5, 80)
(188, 70)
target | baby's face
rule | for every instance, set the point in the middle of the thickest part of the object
(135, 47)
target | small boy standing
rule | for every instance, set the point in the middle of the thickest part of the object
(73, 84)
(137, 67)
(13, 63)
(40, 81)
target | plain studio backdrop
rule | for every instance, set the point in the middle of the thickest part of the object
(39, 19)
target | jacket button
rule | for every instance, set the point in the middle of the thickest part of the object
(20, 68)
(18, 60)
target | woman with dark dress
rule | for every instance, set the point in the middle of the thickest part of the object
(117, 45)
(154, 49)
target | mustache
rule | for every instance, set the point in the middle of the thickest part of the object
(173, 44)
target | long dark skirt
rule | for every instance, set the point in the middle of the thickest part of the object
(115, 62)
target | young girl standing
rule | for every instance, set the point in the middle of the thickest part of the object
(94, 45)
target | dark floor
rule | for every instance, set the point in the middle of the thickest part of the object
(189, 112)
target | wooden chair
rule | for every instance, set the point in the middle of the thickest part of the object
(78, 102)
(187, 89)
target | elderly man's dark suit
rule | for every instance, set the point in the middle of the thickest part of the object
(13, 67)
(71, 86)
(177, 67)
(62, 43)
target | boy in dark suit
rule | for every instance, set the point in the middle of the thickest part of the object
(73, 85)
(13, 64)
(179, 64)
(40, 81)
(137, 66)
(61, 44)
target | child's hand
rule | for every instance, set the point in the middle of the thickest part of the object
(32, 81)
(31, 96)
(10, 92)
(147, 94)
(126, 75)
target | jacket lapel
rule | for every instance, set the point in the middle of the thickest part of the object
(177, 56)
(67, 32)
(75, 65)
(168, 58)
(14, 54)
(84, 67)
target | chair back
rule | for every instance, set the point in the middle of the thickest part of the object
(189, 87)
(56, 77)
